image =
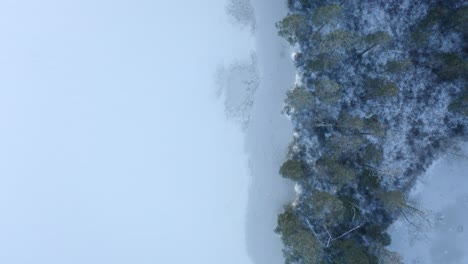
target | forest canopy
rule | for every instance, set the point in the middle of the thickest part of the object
(378, 101)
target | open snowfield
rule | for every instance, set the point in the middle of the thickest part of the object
(253, 89)
(443, 194)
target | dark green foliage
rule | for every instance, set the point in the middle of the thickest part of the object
(292, 27)
(370, 125)
(345, 145)
(378, 38)
(396, 66)
(374, 126)
(458, 20)
(369, 179)
(327, 90)
(328, 14)
(288, 223)
(385, 239)
(322, 62)
(336, 40)
(378, 233)
(422, 29)
(445, 18)
(327, 208)
(392, 201)
(460, 104)
(292, 169)
(419, 36)
(350, 252)
(380, 87)
(352, 213)
(350, 122)
(372, 154)
(334, 171)
(375, 39)
(299, 99)
(300, 244)
(433, 16)
(442, 20)
(450, 66)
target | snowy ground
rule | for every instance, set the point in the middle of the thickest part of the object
(443, 194)
(253, 89)
(268, 135)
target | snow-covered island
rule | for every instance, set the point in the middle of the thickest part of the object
(381, 94)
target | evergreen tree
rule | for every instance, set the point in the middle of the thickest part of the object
(292, 169)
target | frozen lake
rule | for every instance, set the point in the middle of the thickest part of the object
(254, 91)
(267, 136)
(114, 145)
(443, 194)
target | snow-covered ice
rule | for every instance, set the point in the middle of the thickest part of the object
(443, 194)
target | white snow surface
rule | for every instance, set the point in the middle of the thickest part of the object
(253, 92)
(443, 194)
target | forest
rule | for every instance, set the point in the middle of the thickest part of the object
(381, 93)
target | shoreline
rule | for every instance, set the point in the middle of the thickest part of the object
(267, 137)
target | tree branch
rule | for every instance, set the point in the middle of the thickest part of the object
(347, 232)
(313, 231)
(329, 236)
